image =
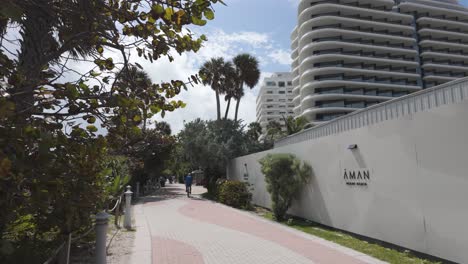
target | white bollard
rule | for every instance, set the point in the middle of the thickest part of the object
(137, 195)
(128, 208)
(102, 220)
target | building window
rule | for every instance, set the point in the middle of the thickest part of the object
(356, 104)
(281, 84)
(269, 92)
(282, 92)
(331, 104)
(385, 93)
(269, 100)
(289, 83)
(270, 83)
(282, 100)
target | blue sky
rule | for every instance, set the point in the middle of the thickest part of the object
(277, 18)
(259, 27)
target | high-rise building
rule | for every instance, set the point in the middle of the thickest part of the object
(274, 99)
(350, 54)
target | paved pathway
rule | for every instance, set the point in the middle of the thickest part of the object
(174, 229)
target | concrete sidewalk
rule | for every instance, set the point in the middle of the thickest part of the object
(174, 229)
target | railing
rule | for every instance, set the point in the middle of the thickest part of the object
(448, 93)
(100, 227)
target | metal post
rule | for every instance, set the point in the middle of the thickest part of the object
(128, 208)
(137, 195)
(102, 219)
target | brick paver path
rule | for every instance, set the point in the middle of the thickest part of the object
(195, 231)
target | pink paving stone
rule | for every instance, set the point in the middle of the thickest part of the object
(169, 251)
(227, 218)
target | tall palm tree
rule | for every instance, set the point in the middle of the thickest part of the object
(229, 87)
(139, 81)
(247, 73)
(215, 74)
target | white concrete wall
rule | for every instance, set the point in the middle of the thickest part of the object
(417, 196)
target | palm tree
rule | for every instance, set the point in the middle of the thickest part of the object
(274, 130)
(295, 125)
(163, 128)
(247, 73)
(229, 87)
(139, 81)
(215, 73)
(254, 131)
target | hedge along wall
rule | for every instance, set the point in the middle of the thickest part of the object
(413, 188)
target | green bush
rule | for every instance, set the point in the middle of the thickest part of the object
(284, 176)
(235, 194)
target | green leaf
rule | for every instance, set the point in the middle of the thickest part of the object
(198, 22)
(91, 120)
(158, 9)
(137, 118)
(209, 14)
(168, 13)
(100, 49)
(95, 74)
(91, 128)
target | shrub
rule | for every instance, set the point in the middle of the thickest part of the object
(235, 194)
(284, 176)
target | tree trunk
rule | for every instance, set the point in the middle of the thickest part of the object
(31, 60)
(241, 88)
(227, 109)
(237, 108)
(145, 117)
(218, 105)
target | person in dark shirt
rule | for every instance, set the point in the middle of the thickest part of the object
(188, 184)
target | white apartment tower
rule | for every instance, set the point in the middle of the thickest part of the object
(274, 99)
(350, 54)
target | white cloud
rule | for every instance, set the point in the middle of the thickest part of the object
(281, 57)
(200, 100)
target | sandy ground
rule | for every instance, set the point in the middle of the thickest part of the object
(121, 246)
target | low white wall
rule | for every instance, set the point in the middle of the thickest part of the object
(417, 195)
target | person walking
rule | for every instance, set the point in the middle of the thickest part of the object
(188, 184)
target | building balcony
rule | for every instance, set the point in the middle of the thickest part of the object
(439, 35)
(361, 75)
(337, 21)
(360, 49)
(368, 7)
(442, 24)
(311, 113)
(311, 87)
(358, 62)
(353, 36)
(427, 53)
(443, 11)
